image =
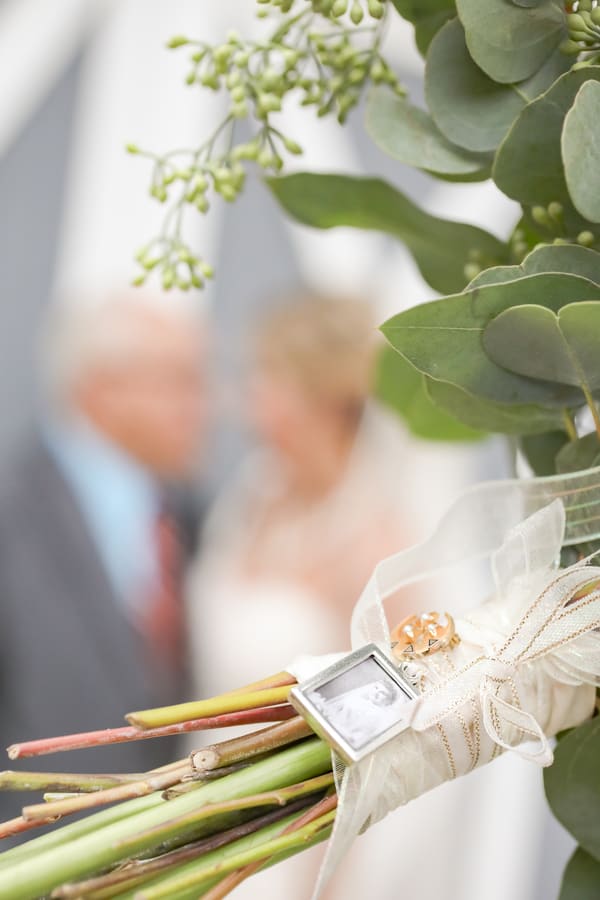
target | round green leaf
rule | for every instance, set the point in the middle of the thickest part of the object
(581, 880)
(573, 785)
(410, 135)
(469, 108)
(511, 42)
(583, 453)
(443, 338)
(427, 16)
(563, 258)
(581, 151)
(489, 416)
(540, 450)
(440, 247)
(538, 343)
(528, 165)
(496, 275)
(399, 386)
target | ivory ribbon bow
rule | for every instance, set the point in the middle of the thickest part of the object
(526, 661)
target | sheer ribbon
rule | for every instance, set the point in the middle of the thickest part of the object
(526, 661)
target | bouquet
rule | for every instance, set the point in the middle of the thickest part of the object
(396, 717)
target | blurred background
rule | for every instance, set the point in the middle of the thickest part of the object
(81, 78)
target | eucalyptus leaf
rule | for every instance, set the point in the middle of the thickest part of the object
(563, 258)
(511, 42)
(528, 165)
(583, 453)
(573, 785)
(581, 879)
(469, 108)
(410, 135)
(540, 450)
(440, 247)
(536, 342)
(567, 258)
(427, 16)
(581, 151)
(443, 338)
(399, 386)
(496, 275)
(489, 416)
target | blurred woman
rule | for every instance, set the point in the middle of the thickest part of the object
(298, 533)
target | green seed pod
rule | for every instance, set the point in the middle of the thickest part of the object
(177, 41)
(585, 5)
(356, 13)
(241, 58)
(264, 158)
(569, 48)
(471, 270)
(168, 278)
(210, 80)
(586, 238)
(540, 215)
(291, 146)
(233, 78)
(238, 93)
(377, 72)
(339, 8)
(206, 269)
(239, 110)
(268, 103)
(202, 204)
(555, 211)
(190, 77)
(595, 15)
(227, 192)
(222, 53)
(139, 280)
(575, 22)
(290, 58)
(198, 56)
(196, 281)
(376, 9)
(357, 75)
(132, 148)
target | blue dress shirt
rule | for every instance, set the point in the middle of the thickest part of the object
(120, 502)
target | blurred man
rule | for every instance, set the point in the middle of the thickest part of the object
(90, 556)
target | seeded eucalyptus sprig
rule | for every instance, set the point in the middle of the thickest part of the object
(315, 52)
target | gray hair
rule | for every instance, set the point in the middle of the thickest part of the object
(83, 333)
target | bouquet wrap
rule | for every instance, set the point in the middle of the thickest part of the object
(527, 663)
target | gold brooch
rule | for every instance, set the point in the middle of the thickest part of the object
(423, 634)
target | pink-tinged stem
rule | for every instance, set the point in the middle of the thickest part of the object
(20, 824)
(128, 733)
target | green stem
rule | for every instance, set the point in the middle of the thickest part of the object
(569, 424)
(593, 408)
(115, 794)
(197, 874)
(183, 712)
(142, 870)
(278, 797)
(60, 781)
(250, 745)
(37, 873)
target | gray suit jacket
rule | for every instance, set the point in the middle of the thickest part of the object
(69, 659)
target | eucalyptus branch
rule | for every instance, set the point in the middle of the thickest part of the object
(319, 55)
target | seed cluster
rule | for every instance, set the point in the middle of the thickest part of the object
(317, 54)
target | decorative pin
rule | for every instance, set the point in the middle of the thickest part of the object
(423, 634)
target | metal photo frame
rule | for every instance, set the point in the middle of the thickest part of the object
(356, 704)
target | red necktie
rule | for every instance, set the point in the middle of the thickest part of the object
(163, 624)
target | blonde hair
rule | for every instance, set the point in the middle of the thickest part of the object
(326, 344)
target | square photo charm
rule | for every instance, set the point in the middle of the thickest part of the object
(357, 704)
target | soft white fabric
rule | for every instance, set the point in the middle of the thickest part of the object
(525, 668)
